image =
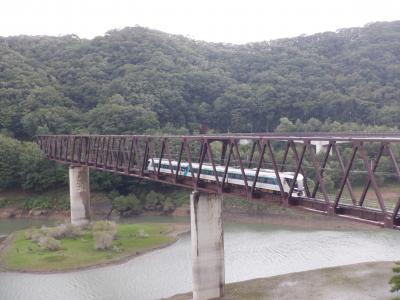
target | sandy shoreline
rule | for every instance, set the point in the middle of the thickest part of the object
(350, 282)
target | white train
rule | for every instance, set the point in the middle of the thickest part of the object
(266, 177)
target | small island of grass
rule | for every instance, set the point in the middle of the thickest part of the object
(66, 247)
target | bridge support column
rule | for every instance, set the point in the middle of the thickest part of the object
(79, 192)
(207, 236)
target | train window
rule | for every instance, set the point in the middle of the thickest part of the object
(236, 176)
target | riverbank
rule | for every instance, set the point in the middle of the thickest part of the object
(351, 282)
(259, 213)
(299, 218)
(22, 255)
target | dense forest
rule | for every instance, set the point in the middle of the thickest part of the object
(138, 80)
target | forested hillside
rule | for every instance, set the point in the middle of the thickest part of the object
(136, 80)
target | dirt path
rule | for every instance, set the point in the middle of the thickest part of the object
(359, 281)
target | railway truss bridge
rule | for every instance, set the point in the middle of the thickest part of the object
(346, 175)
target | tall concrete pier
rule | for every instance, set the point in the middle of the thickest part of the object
(207, 245)
(79, 192)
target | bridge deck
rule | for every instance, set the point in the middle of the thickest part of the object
(351, 153)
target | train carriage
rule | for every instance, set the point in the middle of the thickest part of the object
(266, 180)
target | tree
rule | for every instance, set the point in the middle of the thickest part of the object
(286, 125)
(154, 201)
(129, 203)
(9, 162)
(120, 119)
(395, 280)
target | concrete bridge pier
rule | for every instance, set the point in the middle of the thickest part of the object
(207, 237)
(79, 192)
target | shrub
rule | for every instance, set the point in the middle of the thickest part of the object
(169, 205)
(154, 201)
(49, 243)
(39, 202)
(58, 232)
(395, 280)
(107, 226)
(104, 233)
(3, 202)
(34, 235)
(127, 203)
(142, 233)
(103, 240)
(63, 231)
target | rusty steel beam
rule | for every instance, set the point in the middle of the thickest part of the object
(375, 166)
(299, 162)
(276, 170)
(344, 170)
(211, 160)
(318, 172)
(325, 161)
(227, 166)
(345, 176)
(296, 156)
(246, 185)
(285, 156)
(129, 155)
(260, 160)
(253, 148)
(371, 177)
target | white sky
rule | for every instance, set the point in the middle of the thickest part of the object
(231, 21)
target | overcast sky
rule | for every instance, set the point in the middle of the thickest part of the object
(229, 21)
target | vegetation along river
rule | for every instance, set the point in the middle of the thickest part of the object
(251, 251)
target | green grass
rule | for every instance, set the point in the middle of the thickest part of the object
(23, 254)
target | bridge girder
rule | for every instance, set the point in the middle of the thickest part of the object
(129, 154)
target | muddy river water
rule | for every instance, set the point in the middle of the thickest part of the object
(251, 251)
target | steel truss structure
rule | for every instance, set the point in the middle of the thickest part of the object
(129, 155)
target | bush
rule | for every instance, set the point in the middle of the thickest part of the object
(395, 280)
(142, 234)
(3, 202)
(34, 235)
(63, 231)
(169, 205)
(107, 226)
(103, 240)
(39, 202)
(154, 201)
(104, 233)
(58, 232)
(49, 243)
(127, 203)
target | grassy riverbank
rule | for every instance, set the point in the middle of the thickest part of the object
(358, 281)
(130, 240)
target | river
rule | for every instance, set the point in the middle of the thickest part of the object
(251, 251)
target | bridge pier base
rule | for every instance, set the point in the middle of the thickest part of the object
(79, 192)
(208, 267)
